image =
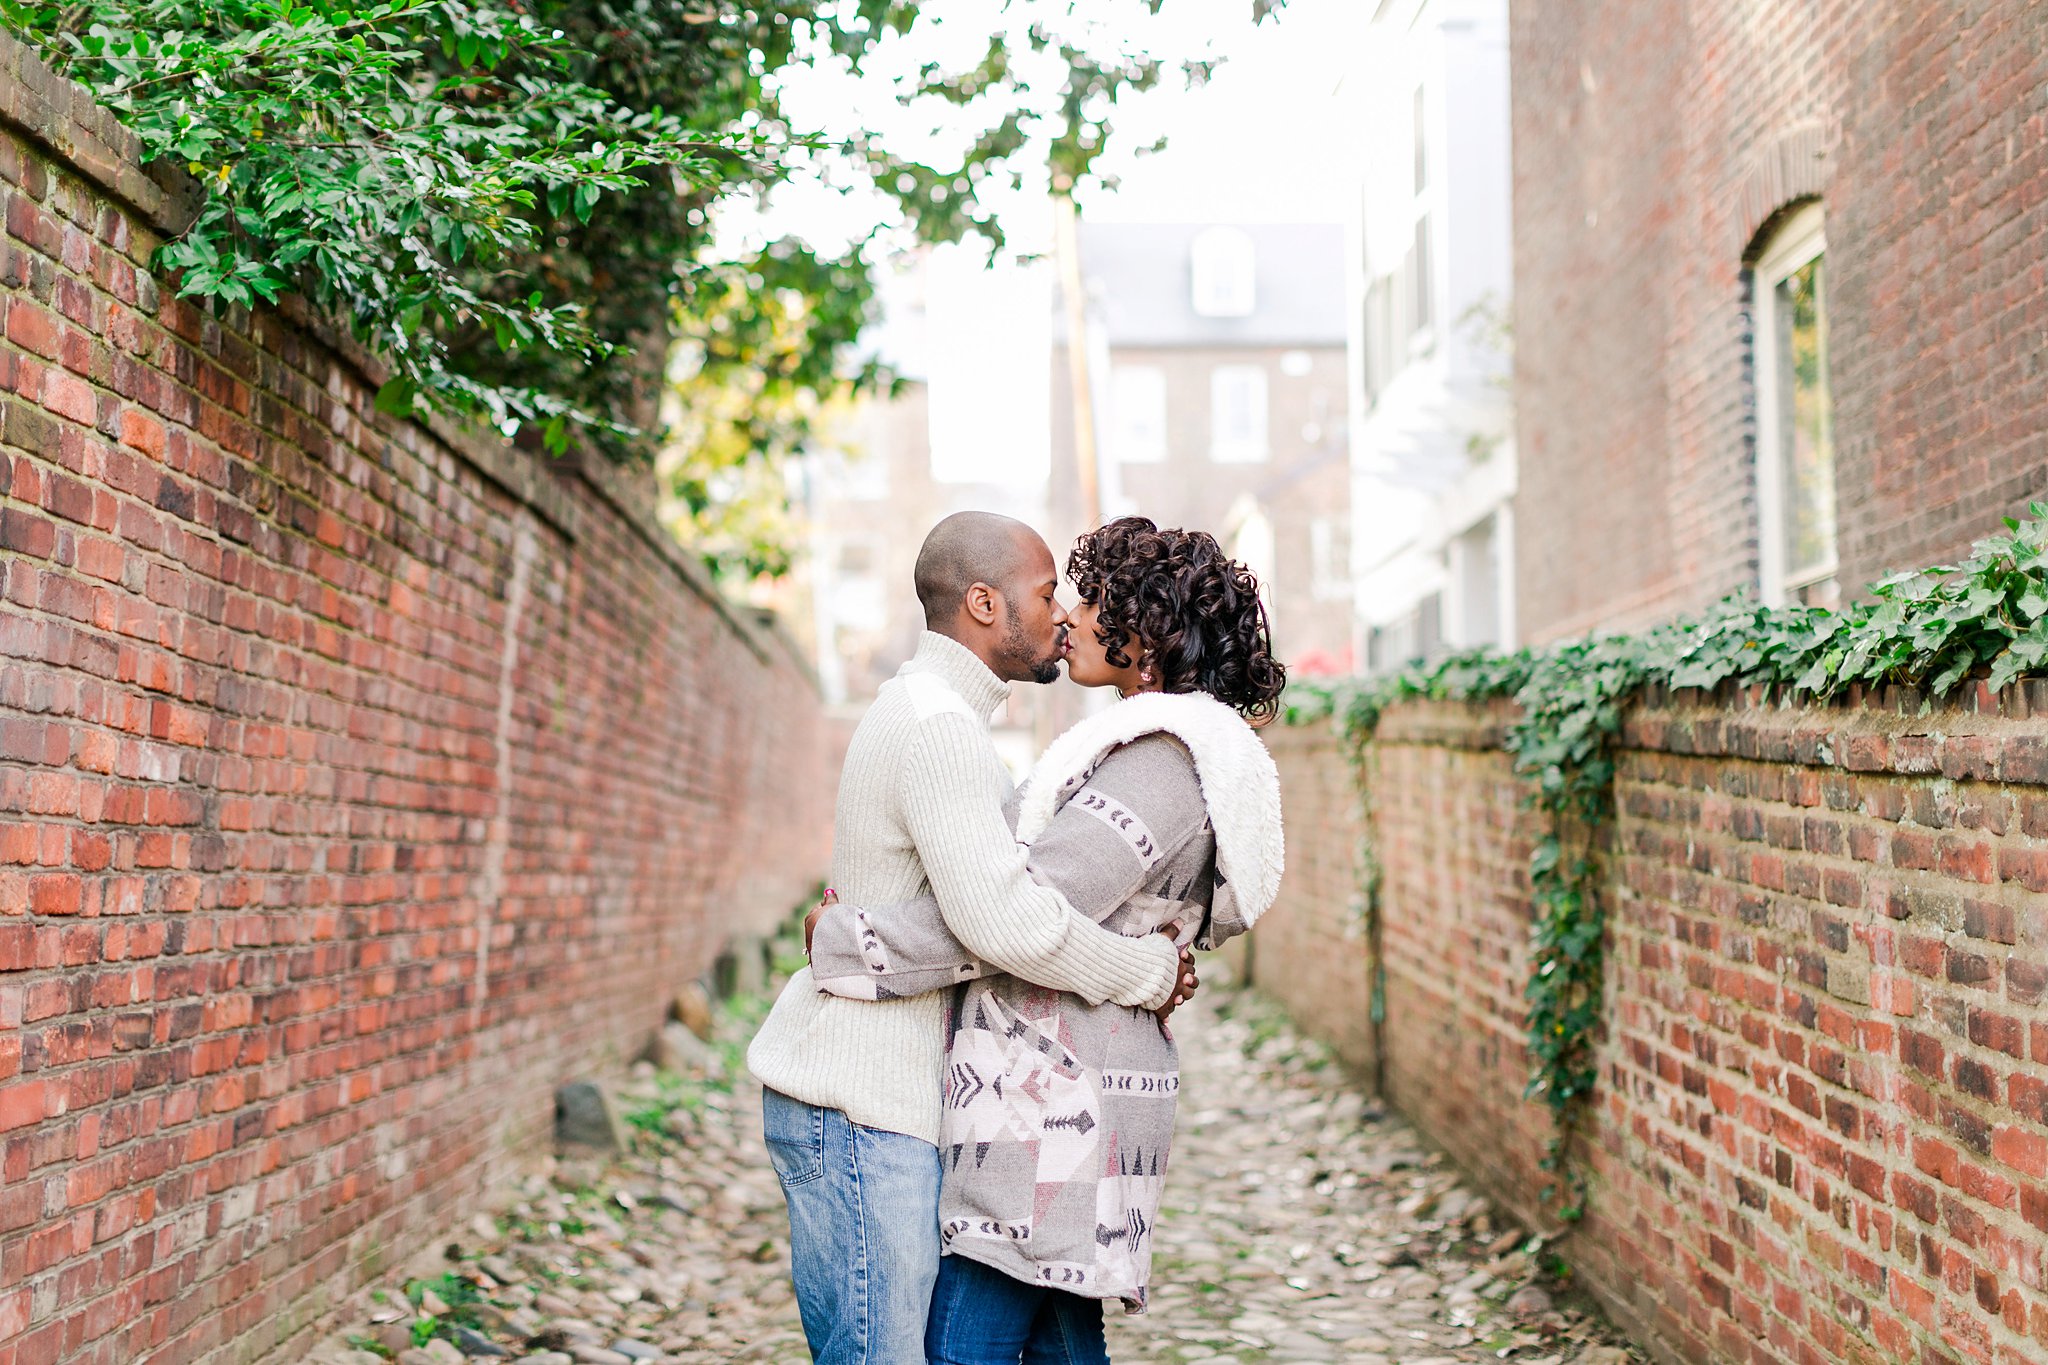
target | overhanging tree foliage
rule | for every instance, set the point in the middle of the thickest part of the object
(513, 202)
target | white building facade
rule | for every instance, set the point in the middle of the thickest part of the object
(1430, 250)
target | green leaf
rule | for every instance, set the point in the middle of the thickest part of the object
(397, 396)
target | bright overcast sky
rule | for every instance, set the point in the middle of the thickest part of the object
(1268, 139)
(1265, 140)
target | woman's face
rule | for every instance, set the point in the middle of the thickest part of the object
(1088, 658)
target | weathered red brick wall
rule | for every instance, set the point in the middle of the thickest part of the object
(1309, 952)
(1821, 1133)
(1454, 844)
(359, 782)
(1651, 144)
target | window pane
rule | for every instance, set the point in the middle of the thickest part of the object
(1137, 433)
(1806, 424)
(861, 476)
(1237, 415)
(1224, 272)
(1329, 541)
(1429, 626)
(855, 594)
(1478, 577)
(1421, 144)
(1379, 336)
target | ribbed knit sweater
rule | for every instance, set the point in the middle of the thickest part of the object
(920, 811)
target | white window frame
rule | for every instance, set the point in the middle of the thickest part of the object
(857, 476)
(1799, 241)
(858, 600)
(1137, 414)
(1223, 272)
(1422, 302)
(1251, 446)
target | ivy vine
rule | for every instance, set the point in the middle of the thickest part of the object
(1981, 622)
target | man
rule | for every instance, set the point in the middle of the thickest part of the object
(851, 1111)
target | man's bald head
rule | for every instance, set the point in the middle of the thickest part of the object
(989, 583)
(968, 548)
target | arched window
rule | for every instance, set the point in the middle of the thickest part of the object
(1795, 427)
(1225, 272)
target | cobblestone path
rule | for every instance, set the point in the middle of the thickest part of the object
(1300, 1224)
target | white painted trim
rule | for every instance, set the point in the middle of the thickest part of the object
(1504, 560)
(1798, 241)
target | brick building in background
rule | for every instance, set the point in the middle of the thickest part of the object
(1218, 371)
(1781, 296)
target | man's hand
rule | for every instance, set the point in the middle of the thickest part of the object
(811, 920)
(1188, 984)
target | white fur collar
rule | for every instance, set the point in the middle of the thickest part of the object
(1240, 785)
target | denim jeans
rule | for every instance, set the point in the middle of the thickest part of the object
(983, 1317)
(863, 1231)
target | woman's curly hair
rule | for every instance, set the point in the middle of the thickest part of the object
(1192, 607)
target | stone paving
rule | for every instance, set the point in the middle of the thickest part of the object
(1300, 1224)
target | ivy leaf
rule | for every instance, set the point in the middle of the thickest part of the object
(1819, 679)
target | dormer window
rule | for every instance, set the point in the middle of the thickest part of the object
(1224, 272)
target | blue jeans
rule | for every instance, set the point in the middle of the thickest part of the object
(863, 1231)
(983, 1317)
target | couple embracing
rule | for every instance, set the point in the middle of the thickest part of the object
(970, 1092)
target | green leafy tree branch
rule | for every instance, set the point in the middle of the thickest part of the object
(385, 161)
(514, 202)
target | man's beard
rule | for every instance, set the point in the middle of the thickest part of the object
(1017, 652)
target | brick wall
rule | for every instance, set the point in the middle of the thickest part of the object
(1651, 144)
(1309, 952)
(1821, 1132)
(1454, 849)
(359, 782)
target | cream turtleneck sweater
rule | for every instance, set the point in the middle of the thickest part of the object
(921, 811)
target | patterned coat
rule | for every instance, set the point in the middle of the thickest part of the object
(1162, 811)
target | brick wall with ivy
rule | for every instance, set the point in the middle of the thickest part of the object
(1820, 1126)
(359, 782)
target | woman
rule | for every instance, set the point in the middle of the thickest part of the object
(1161, 814)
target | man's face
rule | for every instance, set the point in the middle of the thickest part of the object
(1035, 632)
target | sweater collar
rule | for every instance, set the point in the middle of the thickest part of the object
(1240, 784)
(963, 670)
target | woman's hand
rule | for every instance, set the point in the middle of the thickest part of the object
(1188, 984)
(811, 920)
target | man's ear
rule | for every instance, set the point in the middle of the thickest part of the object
(983, 604)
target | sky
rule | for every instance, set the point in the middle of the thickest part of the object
(1266, 140)
(1273, 116)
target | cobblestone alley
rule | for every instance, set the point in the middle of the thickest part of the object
(1301, 1225)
